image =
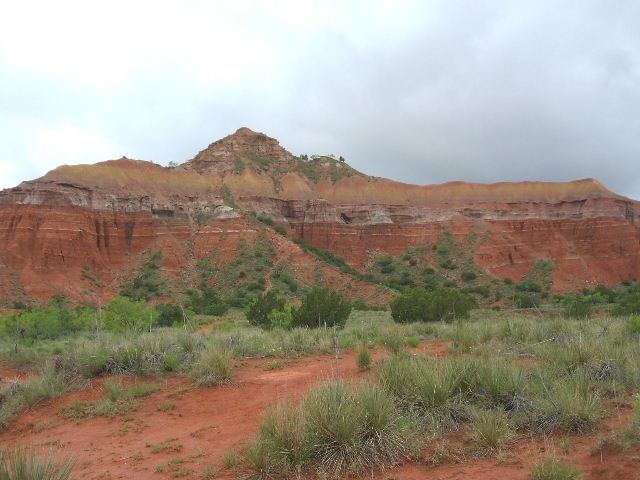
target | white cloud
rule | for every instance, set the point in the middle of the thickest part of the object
(418, 91)
(48, 147)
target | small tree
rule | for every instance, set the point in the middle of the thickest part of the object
(322, 307)
(448, 303)
(411, 306)
(261, 306)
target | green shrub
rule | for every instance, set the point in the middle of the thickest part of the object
(123, 314)
(54, 321)
(206, 301)
(260, 460)
(411, 306)
(281, 319)
(49, 385)
(577, 306)
(629, 303)
(498, 383)
(413, 342)
(468, 276)
(426, 384)
(262, 306)
(393, 340)
(169, 314)
(445, 303)
(322, 307)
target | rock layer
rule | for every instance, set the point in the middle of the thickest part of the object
(82, 230)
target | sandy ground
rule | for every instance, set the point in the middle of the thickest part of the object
(201, 426)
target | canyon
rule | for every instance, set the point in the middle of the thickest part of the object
(83, 231)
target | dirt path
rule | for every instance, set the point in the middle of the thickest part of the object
(198, 427)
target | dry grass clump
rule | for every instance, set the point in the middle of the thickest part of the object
(21, 464)
(336, 430)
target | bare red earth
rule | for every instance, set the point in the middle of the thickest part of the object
(208, 423)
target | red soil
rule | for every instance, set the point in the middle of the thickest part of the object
(210, 422)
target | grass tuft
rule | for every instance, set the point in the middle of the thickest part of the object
(19, 464)
(552, 468)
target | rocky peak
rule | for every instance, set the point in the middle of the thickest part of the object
(243, 149)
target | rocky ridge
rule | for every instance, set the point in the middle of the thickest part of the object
(83, 230)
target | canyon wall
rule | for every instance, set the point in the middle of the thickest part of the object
(83, 230)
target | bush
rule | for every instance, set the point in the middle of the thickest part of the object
(628, 304)
(468, 276)
(52, 322)
(445, 303)
(206, 301)
(262, 306)
(577, 306)
(169, 314)
(448, 303)
(281, 318)
(123, 314)
(338, 430)
(322, 307)
(411, 306)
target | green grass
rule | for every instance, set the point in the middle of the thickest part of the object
(214, 367)
(363, 360)
(335, 429)
(507, 374)
(169, 445)
(21, 464)
(491, 431)
(552, 468)
(117, 400)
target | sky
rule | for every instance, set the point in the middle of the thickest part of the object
(423, 91)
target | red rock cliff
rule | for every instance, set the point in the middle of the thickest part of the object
(82, 230)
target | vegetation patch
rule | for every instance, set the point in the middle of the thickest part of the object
(20, 463)
(117, 400)
(335, 430)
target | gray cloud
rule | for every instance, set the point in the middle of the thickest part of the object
(423, 92)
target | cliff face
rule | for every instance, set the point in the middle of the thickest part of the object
(83, 230)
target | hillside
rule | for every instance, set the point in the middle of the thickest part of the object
(86, 230)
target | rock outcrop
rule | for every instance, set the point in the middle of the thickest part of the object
(83, 230)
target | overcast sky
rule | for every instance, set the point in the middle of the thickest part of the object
(418, 91)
